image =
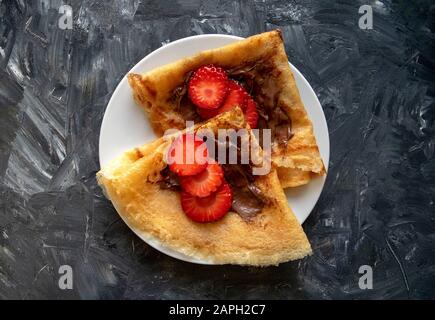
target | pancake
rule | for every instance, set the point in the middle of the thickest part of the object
(271, 236)
(261, 63)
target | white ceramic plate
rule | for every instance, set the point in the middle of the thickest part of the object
(125, 125)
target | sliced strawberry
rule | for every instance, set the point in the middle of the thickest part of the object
(251, 113)
(208, 87)
(207, 113)
(205, 182)
(187, 155)
(234, 85)
(210, 208)
(237, 96)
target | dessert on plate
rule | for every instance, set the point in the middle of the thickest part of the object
(253, 74)
(212, 210)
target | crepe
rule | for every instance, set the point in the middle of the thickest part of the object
(261, 60)
(272, 236)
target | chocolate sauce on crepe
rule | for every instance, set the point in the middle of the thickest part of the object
(248, 199)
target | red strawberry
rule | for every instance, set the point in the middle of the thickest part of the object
(205, 182)
(207, 113)
(210, 208)
(251, 113)
(187, 155)
(208, 87)
(237, 96)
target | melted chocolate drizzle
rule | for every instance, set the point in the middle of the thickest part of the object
(270, 114)
(170, 180)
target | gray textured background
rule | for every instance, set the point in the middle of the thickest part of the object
(376, 88)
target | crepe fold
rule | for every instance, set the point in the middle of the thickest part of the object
(271, 237)
(261, 57)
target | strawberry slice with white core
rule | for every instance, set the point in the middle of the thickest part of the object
(210, 208)
(205, 182)
(208, 87)
(188, 155)
(237, 96)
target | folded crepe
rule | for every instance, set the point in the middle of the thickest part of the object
(133, 182)
(260, 62)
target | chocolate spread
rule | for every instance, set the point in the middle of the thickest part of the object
(248, 199)
(170, 180)
(261, 88)
(266, 94)
(184, 106)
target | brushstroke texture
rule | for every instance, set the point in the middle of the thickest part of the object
(376, 88)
